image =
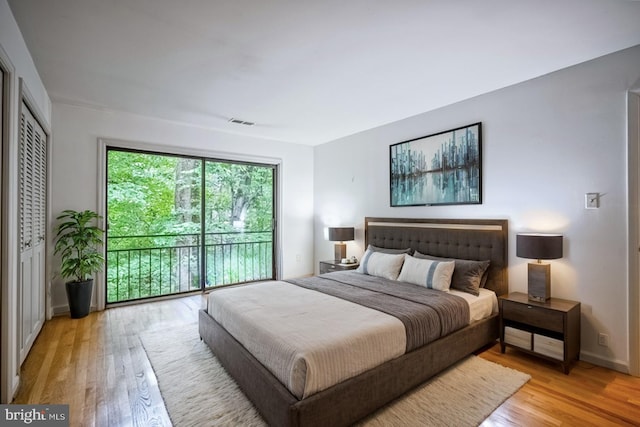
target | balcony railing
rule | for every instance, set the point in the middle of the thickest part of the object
(156, 265)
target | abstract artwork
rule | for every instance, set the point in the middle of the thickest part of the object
(440, 169)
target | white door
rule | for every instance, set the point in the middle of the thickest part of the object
(33, 189)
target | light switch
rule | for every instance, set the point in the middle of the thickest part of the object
(592, 200)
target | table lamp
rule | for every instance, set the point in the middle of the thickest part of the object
(340, 234)
(539, 246)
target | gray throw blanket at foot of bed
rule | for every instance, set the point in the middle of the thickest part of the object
(427, 314)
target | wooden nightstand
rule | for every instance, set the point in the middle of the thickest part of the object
(550, 330)
(334, 265)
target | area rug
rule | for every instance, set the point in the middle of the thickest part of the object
(198, 391)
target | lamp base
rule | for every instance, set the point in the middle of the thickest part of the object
(340, 251)
(539, 277)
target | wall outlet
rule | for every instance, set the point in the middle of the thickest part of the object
(603, 339)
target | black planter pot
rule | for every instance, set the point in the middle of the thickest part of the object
(79, 298)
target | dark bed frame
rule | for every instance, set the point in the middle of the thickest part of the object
(357, 397)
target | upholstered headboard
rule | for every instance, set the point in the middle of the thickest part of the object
(475, 239)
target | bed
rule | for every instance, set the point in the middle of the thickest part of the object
(357, 396)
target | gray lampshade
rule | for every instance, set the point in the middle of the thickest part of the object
(341, 234)
(539, 246)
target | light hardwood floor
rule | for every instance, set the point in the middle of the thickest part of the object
(98, 366)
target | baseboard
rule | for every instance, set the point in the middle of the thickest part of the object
(616, 365)
(13, 389)
(15, 386)
(61, 310)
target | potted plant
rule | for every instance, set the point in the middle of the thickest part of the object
(78, 243)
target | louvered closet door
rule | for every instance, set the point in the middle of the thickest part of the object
(33, 190)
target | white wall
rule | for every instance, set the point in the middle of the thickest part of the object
(14, 45)
(546, 142)
(75, 176)
(14, 53)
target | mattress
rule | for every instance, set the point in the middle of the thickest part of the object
(481, 306)
(308, 340)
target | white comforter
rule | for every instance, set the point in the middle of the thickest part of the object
(307, 339)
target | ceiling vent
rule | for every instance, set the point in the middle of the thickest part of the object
(241, 122)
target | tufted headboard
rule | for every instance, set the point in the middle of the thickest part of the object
(475, 239)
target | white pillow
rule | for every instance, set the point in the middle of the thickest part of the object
(428, 273)
(381, 264)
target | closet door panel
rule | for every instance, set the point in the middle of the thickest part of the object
(26, 270)
(32, 203)
(39, 226)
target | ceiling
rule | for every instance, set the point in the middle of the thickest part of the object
(307, 72)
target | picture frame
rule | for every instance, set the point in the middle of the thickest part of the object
(443, 168)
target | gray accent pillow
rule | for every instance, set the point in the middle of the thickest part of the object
(468, 274)
(389, 251)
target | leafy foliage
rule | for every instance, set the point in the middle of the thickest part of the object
(77, 243)
(157, 205)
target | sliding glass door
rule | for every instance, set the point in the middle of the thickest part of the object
(178, 223)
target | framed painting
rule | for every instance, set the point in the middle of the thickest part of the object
(440, 169)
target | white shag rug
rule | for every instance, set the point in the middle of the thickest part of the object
(198, 391)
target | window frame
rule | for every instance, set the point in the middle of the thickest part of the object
(107, 144)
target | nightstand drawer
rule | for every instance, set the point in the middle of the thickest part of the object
(330, 266)
(517, 337)
(327, 268)
(548, 346)
(532, 315)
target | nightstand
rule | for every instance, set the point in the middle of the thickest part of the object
(334, 265)
(550, 330)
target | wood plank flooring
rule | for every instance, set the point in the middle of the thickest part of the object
(98, 366)
(589, 396)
